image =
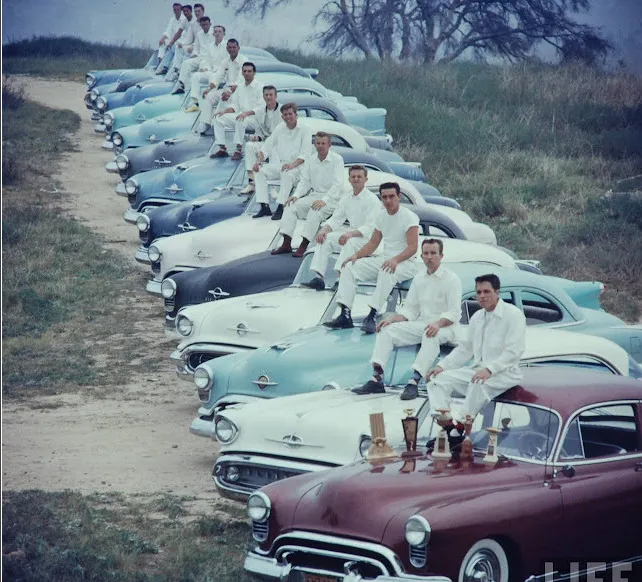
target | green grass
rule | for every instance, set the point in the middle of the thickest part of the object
(71, 537)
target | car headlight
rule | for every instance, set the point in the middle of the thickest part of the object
(168, 288)
(364, 445)
(142, 223)
(184, 324)
(117, 138)
(101, 103)
(131, 186)
(154, 253)
(417, 531)
(90, 80)
(202, 377)
(93, 95)
(122, 161)
(225, 430)
(259, 507)
(108, 120)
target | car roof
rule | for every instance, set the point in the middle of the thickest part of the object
(269, 66)
(336, 128)
(355, 157)
(285, 81)
(571, 389)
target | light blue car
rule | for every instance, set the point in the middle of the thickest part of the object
(310, 359)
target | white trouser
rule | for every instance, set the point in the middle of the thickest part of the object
(410, 333)
(177, 61)
(222, 123)
(162, 49)
(369, 269)
(323, 252)
(476, 394)
(209, 103)
(188, 68)
(252, 149)
(302, 209)
(200, 81)
(288, 179)
(239, 130)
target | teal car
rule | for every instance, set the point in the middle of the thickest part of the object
(310, 359)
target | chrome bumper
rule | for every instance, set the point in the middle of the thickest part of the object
(107, 145)
(172, 334)
(181, 367)
(100, 128)
(131, 215)
(153, 287)
(112, 168)
(142, 256)
(120, 189)
(202, 428)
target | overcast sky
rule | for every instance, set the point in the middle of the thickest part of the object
(140, 22)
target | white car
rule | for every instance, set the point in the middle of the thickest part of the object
(243, 235)
(247, 322)
(268, 440)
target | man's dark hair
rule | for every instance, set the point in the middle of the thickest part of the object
(357, 168)
(219, 26)
(433, 241)
(490, 278)
(187, 6)
(233, 41)
(177, 4)
(204, 19)
(269, 88)
(199, 6)
(249, 64)
(289, 106)
(388, 185)
(323, 134)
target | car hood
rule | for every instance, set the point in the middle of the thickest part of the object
(153, 106)
(172, 147)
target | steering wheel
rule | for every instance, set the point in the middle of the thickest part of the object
(532, 444)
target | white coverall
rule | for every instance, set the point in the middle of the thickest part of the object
(245, 98)
(263, 122)
(211, 69)
(231, 75)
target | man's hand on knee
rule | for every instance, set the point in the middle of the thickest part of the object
(434, 372)
(432, 329)
(390, 266)
(318, 204)
(290, 200)
(481, 375)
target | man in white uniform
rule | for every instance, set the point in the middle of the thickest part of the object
(429, 316)
(263, 120)
(230, 74)
(287, 148)
(315, 197)
(182, 40)
(209, 66)
(176, 22)
(247, 97)
(359, 209)
(495, 343)
(200, 49)
(398, 229)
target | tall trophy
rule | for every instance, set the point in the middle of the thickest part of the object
(466, 455)
(410, 425)
(491, 459)
(441, 449)
(380, 449)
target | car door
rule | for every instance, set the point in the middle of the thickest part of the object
(541, 308)
(599, 472)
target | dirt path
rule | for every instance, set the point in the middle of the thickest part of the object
(137, 443)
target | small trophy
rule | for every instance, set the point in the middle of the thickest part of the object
(380, 449)
(408, 466)
(490, 459)
(410, 425)
(444, 418)
(466, 455)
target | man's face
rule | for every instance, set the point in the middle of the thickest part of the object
(187, 12)
(431, 256)
(269, 97)
(232, 50)
(357, 179)
(390, 199)
(199, 13)
(487, 296)
(322, 145)
(290, 117)
(219, 33)
(248, 74)
(178, 10)
(205, 25)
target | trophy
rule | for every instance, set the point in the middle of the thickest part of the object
(466, 455)
(410, 425)
(408, 466)
(490, 459)
(444, 418)
(380, 449)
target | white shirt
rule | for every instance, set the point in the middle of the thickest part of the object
(215, 56)
(202, 42)
(393, 228)
(187, 36)
(233, 70)
(495, 341)
(173, 25)
(266, 120)
(360, 210)
(286, 145)
(247, 97)
(323, 177)
(433, 297)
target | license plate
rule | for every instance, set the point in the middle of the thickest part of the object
(317, 578)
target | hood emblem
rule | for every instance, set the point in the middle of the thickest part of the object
(263, 381)
(217, 293)
(292, 441)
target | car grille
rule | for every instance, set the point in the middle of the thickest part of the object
(251, 477)
(418, 556)
(195, 359)
(131, 199)
(145, 237)
(156, 268)
(330, 554)
(169, 305)
(260, 530)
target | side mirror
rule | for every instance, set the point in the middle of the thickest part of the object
(568, 471)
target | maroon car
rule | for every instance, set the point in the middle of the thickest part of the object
(565, 493)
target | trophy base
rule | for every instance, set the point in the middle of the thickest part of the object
(441, 456)
(411, 455)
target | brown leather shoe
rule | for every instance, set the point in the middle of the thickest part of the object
(221, 153)
(302, 248)
(237, 155)
(284, 249)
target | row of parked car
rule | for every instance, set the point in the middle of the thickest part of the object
(274, 384)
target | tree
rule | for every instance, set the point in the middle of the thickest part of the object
(442, 30)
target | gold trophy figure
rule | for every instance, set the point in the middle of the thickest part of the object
(410, 425)
(466, 455)
(490, 459)
(380, 449)
(441, 449)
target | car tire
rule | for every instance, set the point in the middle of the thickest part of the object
(486, 556)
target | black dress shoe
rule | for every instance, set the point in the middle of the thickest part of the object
(370, 387)
(411, 391)
(342, 321)
(317, 283)
(369, 324)
(264, 211)
(278, 213)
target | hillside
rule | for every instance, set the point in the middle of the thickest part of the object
(530, 149)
